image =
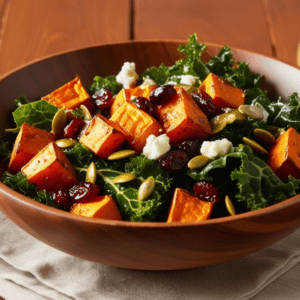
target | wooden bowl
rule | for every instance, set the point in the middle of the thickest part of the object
(148, 246)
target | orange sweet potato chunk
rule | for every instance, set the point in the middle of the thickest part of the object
(126, 94)
(70, 96)
(136, 124)
(223, 94)
(182, 119)
(30, 140)
(102, 207)
(50, 169)
(103, 136)
(186, 207)
(284, 155)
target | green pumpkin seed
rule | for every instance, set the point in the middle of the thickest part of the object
(188, 88)
(59, 121)
(91, 173)
(146, 188)
(239, 117)
(230, 118)
(65, 143)
(121, 154)
(217, 124)
(264, 136)
(126, 177)
(198, 162)
(229, 206)
(252, 112)
(86, 113)
(255, 146)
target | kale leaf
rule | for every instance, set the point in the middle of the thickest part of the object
(108, 82)
(257, 185)
(5, 150)
(39, 114)
(19, 183)
(21, 101)
(125, 195)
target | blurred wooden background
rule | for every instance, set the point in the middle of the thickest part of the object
(31, 29)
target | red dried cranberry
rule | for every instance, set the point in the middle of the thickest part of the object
(205, 103)
(103, 98)
(83, 192)
(174, 161)
(61, 198)
(162, 94)
(73, 128)
(145, 105)
(206, 191)
(191, 147)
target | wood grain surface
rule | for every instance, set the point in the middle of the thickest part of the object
(32, 29)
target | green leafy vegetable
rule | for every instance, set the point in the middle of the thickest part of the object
(78, 113)
(5, 150)
(20, 184)
(21, 101)
(257, 185)
(108, 82)
(39, 114)
(125, 195)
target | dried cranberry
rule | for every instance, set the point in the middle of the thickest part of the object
(145, 105)
(73, 128)
(162, 94)
(205, 103)
(174, 161)
(206, 191)
(191, 147)
(103, 98)
(83, 192)
(61, 198)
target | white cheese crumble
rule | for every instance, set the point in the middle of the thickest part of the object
(147, 82)
(216, 148)
(156, 146)
(188, 79)
(127, 76)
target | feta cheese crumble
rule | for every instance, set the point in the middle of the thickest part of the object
(188, 79)
(147, 81)
(156, 146)
(127, 76)
(216, 148)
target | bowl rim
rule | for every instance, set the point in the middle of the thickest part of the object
(26, 201)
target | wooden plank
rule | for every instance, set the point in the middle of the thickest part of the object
(235, 23)
(34, 29)
(284, 23)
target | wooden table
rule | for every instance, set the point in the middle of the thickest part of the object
(31, 29)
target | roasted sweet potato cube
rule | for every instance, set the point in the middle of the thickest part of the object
(186, 207)
(182, 119)
(103, 136)
(30, 140)
(102, 207)
(222, 93)
(284, 155)
(137, 124)
(50, 169)
(126, 94)
(70, 96)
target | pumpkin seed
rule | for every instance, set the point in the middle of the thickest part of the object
(252, 112)
(125, 177)
(264, 136)
(188, 88)
(59, 121)
(86, 113)
(255, 146)
(229, 206)
(121, 154)
(65, 143)
(91, 173)
(198, 162)
(217, 124)
(230, 118)
(146, 188)
(239, 117)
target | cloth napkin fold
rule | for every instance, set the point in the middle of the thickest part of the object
(30, 269)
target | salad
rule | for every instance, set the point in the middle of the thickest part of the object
(181, 143)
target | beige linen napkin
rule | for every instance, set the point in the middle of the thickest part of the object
(30, 269)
